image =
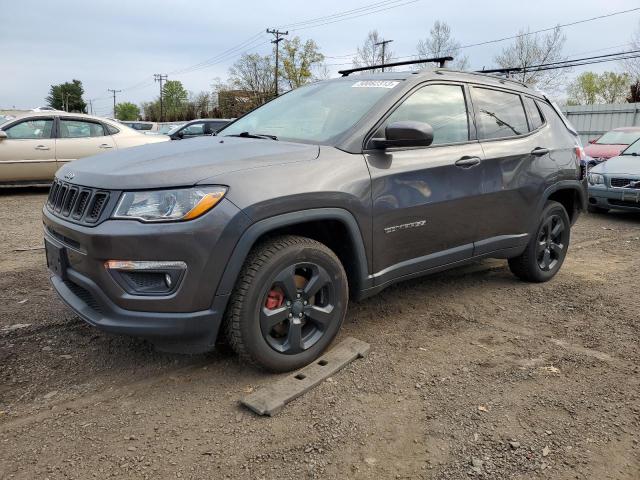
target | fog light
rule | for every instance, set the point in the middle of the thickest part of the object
(147, 277)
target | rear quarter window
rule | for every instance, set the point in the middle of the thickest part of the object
(535, 117)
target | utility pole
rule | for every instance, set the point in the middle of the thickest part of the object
(90, 106)
(278, 34)
(114, 99)
(159, 77)
(65, 102)
(384, 44)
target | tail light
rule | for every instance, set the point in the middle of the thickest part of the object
(581, 161)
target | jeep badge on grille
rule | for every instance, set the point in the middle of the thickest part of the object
(69, 176)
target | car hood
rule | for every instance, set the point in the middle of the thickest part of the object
(184, 163)
(622, 165)
(595, 150)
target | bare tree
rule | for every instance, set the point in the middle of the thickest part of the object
(440, 43)
(632, 65)
(254, 75)
(371, 54)
(533, 49)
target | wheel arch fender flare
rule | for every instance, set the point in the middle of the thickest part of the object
(262, 227)
(576, 185)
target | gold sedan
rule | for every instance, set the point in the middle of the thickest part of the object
(35, 145)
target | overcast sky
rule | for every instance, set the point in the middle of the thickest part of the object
(121, 44)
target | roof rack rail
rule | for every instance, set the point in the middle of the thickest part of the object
(439, 60)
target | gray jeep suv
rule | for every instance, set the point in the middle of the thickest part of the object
(332, 191)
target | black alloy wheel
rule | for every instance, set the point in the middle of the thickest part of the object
(297, 308)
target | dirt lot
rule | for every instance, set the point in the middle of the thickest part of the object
(471, 373)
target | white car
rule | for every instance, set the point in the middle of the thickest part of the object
(33, 146)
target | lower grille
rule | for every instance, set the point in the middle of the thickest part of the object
(84, 295)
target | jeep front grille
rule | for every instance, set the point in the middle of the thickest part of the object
(81, 204)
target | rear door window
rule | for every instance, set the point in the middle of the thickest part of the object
(535, 117)
(80, 129)
(499, 114)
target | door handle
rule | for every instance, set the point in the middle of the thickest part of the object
(468, 162)
(105, 145)
(539, 151)
(42, 147)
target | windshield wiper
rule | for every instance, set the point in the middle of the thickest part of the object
(254, 135)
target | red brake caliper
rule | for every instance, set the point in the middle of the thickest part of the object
(275, 299)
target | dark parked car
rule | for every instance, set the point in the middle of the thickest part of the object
(330, 192)
(615, 184)
(198, 128)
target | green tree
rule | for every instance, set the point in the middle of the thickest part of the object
(174, 100)
(67, 96)
(589, 88)
(127, 111)
(614, 86)
(584, 90)
(298, 59)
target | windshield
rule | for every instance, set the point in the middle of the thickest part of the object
(633, 149)
(618, 137)
(317, 113)
(166, 129)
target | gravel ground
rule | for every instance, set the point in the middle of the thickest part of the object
(471, 373)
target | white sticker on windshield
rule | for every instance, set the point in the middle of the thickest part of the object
(375, 84)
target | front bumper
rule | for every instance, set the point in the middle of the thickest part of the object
(187, 319)
(615, 198)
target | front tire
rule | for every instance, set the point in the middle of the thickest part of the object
(288, 305)
(547, 249)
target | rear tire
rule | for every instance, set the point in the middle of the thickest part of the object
(547, 248)
(288, 304)
(592, 209)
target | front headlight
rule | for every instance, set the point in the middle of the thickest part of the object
(169, 205)
(596, 179)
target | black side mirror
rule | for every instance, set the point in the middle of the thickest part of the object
(405, 134)
(3, 135)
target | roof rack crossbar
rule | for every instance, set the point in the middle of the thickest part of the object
(439, 60)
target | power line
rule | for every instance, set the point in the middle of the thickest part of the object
(550, 28)
(567, 63)
(497, 40)
(340, 14)
(351, 17)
